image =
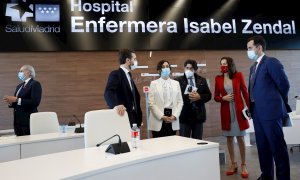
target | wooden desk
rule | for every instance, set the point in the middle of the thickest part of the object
(13, 147)
(171, 157)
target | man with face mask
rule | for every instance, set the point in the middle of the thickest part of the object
(195, 93)
(121, 92)
(25, 101)
(268, 92)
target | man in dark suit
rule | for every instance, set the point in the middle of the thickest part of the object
(268, 87)
(121, 92)
(195, 93)
(25, 101)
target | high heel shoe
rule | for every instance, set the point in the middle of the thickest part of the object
(244, 173)
(230, 171)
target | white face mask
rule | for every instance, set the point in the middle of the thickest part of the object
(252, 55)
(188, 73)
(134, 66)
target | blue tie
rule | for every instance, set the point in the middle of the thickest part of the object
(191, 82)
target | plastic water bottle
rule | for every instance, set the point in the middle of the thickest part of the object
(135, 136)
(138, 138)
(63, 128)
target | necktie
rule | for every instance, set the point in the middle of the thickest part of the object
(23, 85)
(191, 82)
(133, 93)
(252, 78)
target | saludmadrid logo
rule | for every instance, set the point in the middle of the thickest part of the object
(25, 17)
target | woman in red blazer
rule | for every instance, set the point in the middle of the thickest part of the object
(229, 88)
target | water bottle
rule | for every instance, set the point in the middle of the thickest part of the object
(135, 136)
(63, 128)
(138, 138)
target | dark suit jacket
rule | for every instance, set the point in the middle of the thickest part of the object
(188, 115)
(239, 89)
(30, 95)
(270, 89)
(118, 92)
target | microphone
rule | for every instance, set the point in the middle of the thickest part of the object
(117, 148)
(79, 129)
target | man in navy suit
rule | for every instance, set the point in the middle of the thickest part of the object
(121, 92)
(268, 88)
(25, 101)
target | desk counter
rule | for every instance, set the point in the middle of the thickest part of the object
(171, 157)
(19, 147)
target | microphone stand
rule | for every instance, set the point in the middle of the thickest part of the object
(109, 139)
(117, 148)
(80, 129)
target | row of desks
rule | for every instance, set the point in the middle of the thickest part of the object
(13, 147)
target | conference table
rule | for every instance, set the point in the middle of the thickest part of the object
(20, 147)
(172, 157)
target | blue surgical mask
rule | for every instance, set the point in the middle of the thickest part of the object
(135, 64)
(165, 72)
(21, 76)
(252, 55)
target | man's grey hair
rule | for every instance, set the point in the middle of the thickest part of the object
(31, 70)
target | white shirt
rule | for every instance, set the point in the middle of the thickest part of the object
(19, 99)
(167, 92)
(193, 79)
(127, 75)
(258, 60)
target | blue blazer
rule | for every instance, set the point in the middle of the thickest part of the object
(270, 88)
(118, 92)
(31, 96)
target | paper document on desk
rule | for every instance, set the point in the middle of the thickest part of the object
(287, 121)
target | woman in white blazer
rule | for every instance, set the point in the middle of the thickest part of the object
(165, 103)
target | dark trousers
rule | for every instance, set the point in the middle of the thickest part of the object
(132, 116)
(271, 148)
(194, 130)
(21, 123)
(166, 130)
(21, 130)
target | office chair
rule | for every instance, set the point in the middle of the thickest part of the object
(297, 113)
(43, 122)
(100, 125)
(291, 148)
